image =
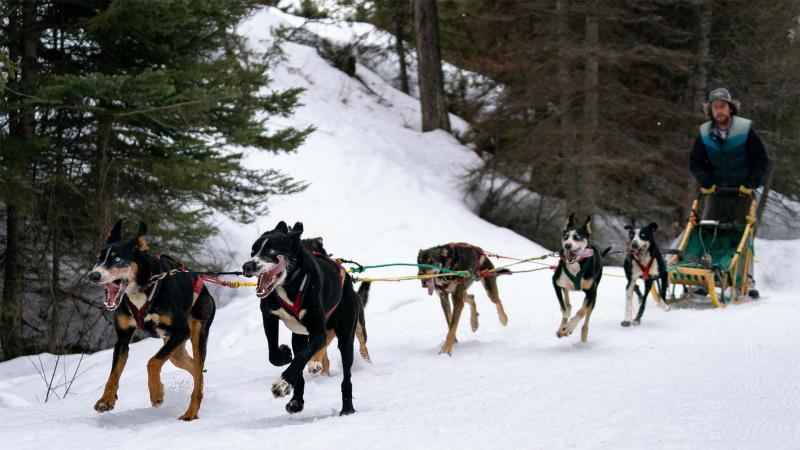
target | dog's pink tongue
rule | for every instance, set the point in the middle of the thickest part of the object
(431, 286)
(584, 253)
(112, 290)
(266, 281)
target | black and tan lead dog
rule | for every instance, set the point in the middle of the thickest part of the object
(177, 308)
(579, 269)
(310, 294)
(459, 256)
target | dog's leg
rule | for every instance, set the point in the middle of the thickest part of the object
(361, 335)
(199, 336)
(473, 317)
(448, 315)
(154, 365)
(346, 350)
(629, 290)
(566, 309)
(662, 291)
(279, 355)
(458, 305)
(181, 358)
(490, 284)
(319, 362)
(295, 405)
(124, 327)
(585, 329)
(648, 284)
(586, 308)
(316, 341)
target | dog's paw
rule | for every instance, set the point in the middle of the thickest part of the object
(563, 332)
(446, 349)
(347, 410)
(314, 367)
(157, 395)
(625, 323)
(281, 388)
(503, 319)
(636, 322)
(189, 415)
(103, 406)
(474, 324)
(294, 406)
(282, 357)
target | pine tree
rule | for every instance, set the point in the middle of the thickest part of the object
(141, 107)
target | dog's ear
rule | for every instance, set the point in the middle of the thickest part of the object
(588, 224)
(297, 230)
(653, 227)
(570, 221)
(141, 243)
(628, 227)
(115, 235)
(282, 227)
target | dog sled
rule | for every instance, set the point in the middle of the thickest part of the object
(715, 255)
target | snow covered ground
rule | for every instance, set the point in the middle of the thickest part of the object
(380, 190)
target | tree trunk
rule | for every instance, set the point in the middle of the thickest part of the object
(590, 123)
(703, 53)
(399, 25)
(563, 63)
(429, 66)
(23, 125)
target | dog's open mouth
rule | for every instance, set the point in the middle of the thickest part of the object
(580, 255)
(639, 252)
(270, 279)
(114, 292)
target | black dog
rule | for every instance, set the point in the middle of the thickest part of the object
(644, 261)
(319, 362)
(580, 269)
(176, 308)
(459, 257)
(311, 294)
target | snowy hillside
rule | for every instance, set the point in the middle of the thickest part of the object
(381, 190)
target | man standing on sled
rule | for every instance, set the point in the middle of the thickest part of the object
(727, 154)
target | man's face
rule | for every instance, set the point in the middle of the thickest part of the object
(721, 111)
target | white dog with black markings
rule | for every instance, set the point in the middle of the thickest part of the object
(644, 261)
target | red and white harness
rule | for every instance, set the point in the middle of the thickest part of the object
(294, 308)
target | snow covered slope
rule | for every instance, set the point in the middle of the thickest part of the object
(380, 190)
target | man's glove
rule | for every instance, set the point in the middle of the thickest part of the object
(709, 190)
(744, 190)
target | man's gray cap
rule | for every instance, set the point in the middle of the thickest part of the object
(720, 94)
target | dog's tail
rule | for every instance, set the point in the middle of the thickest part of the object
(363, 292)
(503, 272)
(606, 252)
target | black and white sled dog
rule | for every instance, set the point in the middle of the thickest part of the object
(644, 261)
(579, 269)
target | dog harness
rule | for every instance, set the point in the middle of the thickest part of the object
(576, 279)
(646, 268)
(140, 313)
(454, 246)
(294, 308)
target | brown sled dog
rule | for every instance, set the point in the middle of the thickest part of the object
(459, 257)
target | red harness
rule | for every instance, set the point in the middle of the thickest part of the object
(645, 269)
(294, 308)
